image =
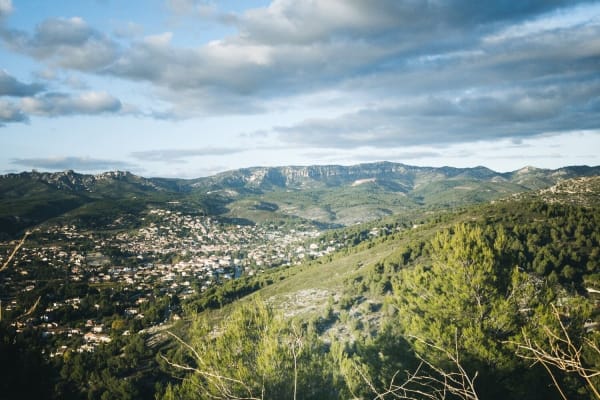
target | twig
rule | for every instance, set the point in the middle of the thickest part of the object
(420, 385)
(562, 354)
(220, 382)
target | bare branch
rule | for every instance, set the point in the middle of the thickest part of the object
(560, 353)
(220, 382)
(296, 347)
(434, 385)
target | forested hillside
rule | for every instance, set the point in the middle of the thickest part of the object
(467, 305)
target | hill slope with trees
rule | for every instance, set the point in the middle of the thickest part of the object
(482, 303)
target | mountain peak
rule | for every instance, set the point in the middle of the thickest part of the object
(527, 170)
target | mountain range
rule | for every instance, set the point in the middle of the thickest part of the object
(329, 195)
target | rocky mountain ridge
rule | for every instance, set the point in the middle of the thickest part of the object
(410, 177)
(328, 195)
(304, 177)
(77, 182)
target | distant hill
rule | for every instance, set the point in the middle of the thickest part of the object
(400, 175)
(30, 198)
(330, 195)
(345, 195)
(583, 191)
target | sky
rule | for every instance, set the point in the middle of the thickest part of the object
(189, 88)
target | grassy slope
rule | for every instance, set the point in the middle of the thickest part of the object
(306, 291)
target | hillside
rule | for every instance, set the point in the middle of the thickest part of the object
(370, 301)
(392, 239)
(31, 198)
(397, 175)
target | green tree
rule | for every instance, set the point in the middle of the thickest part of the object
(255, 353)
(470, 298)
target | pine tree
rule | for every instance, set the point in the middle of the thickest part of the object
(470, 299)
(254, 354)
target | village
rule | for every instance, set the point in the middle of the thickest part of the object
(132, 279)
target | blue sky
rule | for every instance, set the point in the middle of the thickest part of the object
(188, 88)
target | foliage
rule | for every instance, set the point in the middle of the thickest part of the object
(112, 371)
(476, 287)
(471, 291)
(564, 351)
(256, 354)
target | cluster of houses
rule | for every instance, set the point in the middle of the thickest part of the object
(172, 253)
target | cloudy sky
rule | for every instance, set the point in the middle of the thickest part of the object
(187, 88)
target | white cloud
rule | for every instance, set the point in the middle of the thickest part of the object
(65, 42)
(6, 8)
(160, 40)
(588, 15)
(413, 72)
(452, 117)
(201, 8)
(180, 6)
(128, 30)
(180, 155)
(73, 163)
